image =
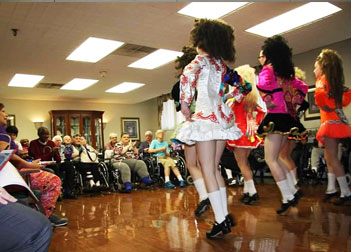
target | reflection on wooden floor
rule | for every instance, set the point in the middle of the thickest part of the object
(163, 220)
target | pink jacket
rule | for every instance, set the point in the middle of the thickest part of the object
(280, 97)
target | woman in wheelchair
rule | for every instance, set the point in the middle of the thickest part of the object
(161, 149)
(126, 160)
(85, 159)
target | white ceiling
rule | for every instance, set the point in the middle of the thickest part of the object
(49, 32)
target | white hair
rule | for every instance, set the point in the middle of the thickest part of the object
(57, 137)
(112, 135)
(148, 133)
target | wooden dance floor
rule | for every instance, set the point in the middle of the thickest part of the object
(163, 220)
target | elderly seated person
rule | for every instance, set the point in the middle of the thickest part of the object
(144, 146)
(48, 184)
(44, 149)
(86, 160)
(126, 160)
(110, 145)
(66, 166)
(113, 140)
(161, 149)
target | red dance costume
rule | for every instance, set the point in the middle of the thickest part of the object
(248, 124)
(332, 125)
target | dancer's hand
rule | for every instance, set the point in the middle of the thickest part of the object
(186, 111)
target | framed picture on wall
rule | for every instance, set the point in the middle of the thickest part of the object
(131, 126)
(11, 120)
(312, 113)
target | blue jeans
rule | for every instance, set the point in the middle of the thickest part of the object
(23, 230)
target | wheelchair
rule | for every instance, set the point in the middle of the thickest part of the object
(156, 169)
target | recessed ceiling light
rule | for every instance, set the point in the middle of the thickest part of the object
(124, 87)
(25, 80)
(300, 16)
(79, 84)
(94, 49)
(157, 58)
(210, 10)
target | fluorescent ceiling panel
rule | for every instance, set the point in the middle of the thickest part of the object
(211, 10)
(157, 58)
(125, 87)
(94, 49)
(79, 84)
(300, 16)
(25, 80)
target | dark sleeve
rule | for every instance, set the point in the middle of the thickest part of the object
(304, 106)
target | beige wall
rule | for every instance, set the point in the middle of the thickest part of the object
(306, 60)
(28, 111)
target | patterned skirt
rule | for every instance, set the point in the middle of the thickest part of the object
(284, 124)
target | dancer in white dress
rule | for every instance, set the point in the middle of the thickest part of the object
(213, 121)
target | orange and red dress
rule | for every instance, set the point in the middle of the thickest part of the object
(333, 125)
(247, 122)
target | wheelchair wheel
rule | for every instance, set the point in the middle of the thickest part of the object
(181, 164)
(189, 180)
(160, 181)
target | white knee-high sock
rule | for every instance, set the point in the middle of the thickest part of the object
(291, 183)
(344, 187)
(285, 190)
(331, 183)
(251, 187)
(294, 176)
(216, 204)
(201, 189)
(224, 200)
(246, 189)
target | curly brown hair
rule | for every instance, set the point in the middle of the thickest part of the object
(279, 54)
(215, 37)
(182, 61)
(331, 66)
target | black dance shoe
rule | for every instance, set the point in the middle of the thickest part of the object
(252, 199)
(244, 198)
(203, 206)
(329, 196)
(286, 206)
(230, 221)
(218, 230)
(342, 200)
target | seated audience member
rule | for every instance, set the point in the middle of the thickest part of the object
(22, 228)
(47, 183)
(161, 150)
(25, 144)
(86, 161)
(45, 150)
(68, 148)
(58, 143)
(126, 160)
(113, 140)
(67, 167)
(12, 131)
(110, 146)
(144, 146)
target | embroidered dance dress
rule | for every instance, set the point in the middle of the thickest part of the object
(278, 98)
(213, 119)
(248, 123)
(333, 121)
